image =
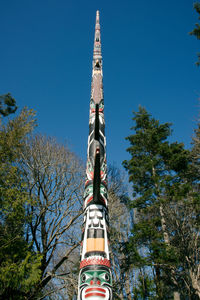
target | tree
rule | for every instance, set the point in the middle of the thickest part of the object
(183, 224)
(7, 105)
(119, 229)
(196, 31)
(195, 153)
(41, 186)
(65, 286)
(54, 178)
(128, 278)
(193, 260)
(19, 264)
(158, 172)
(120, 224)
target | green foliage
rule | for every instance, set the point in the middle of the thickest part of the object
(196, 31)
(155, 164)
(19, 273)
(19, 264)
(160, 173)
(13, 135)
(145, 288)
(7, 105)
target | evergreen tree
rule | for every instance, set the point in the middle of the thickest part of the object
(7, 105)
(158, 172)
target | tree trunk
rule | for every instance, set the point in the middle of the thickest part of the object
(167, 241)
(176, 294)
(195, 283)
(127, 287)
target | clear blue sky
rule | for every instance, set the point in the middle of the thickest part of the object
(149, 59)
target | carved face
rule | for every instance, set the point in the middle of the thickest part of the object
(95, 284)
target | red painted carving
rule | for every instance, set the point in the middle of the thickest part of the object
(95, 261)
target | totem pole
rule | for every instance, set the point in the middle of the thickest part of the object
(95, 281)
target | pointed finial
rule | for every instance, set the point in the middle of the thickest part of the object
(97, 39)
(97, 17)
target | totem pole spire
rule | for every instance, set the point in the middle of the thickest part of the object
(95, 280)
(97, 39)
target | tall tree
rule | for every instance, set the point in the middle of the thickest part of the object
(41, 185)
(19, 264)
(54, 178)
(194, 260)
(120, 224)
(157, 171)
(66, 286)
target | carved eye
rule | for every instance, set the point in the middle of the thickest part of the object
(83, 278)
(107, 277)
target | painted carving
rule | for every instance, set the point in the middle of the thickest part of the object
(95, 280)
(95, 283)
